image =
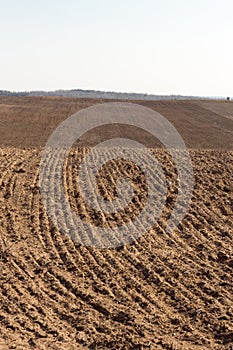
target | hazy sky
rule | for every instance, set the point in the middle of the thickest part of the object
(161, 47)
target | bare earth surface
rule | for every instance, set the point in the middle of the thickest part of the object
(165, 291)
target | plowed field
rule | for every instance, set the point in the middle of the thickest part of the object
(169, 291)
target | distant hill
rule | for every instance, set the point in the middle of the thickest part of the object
(79, 93)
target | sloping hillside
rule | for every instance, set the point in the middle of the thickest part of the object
(165, 291)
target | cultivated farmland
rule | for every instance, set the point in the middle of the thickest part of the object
(164, 291)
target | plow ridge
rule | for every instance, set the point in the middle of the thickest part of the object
(162, 285)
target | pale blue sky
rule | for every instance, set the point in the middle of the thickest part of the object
(161, 47)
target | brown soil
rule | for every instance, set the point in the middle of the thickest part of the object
(29, 121)
(165, 291)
